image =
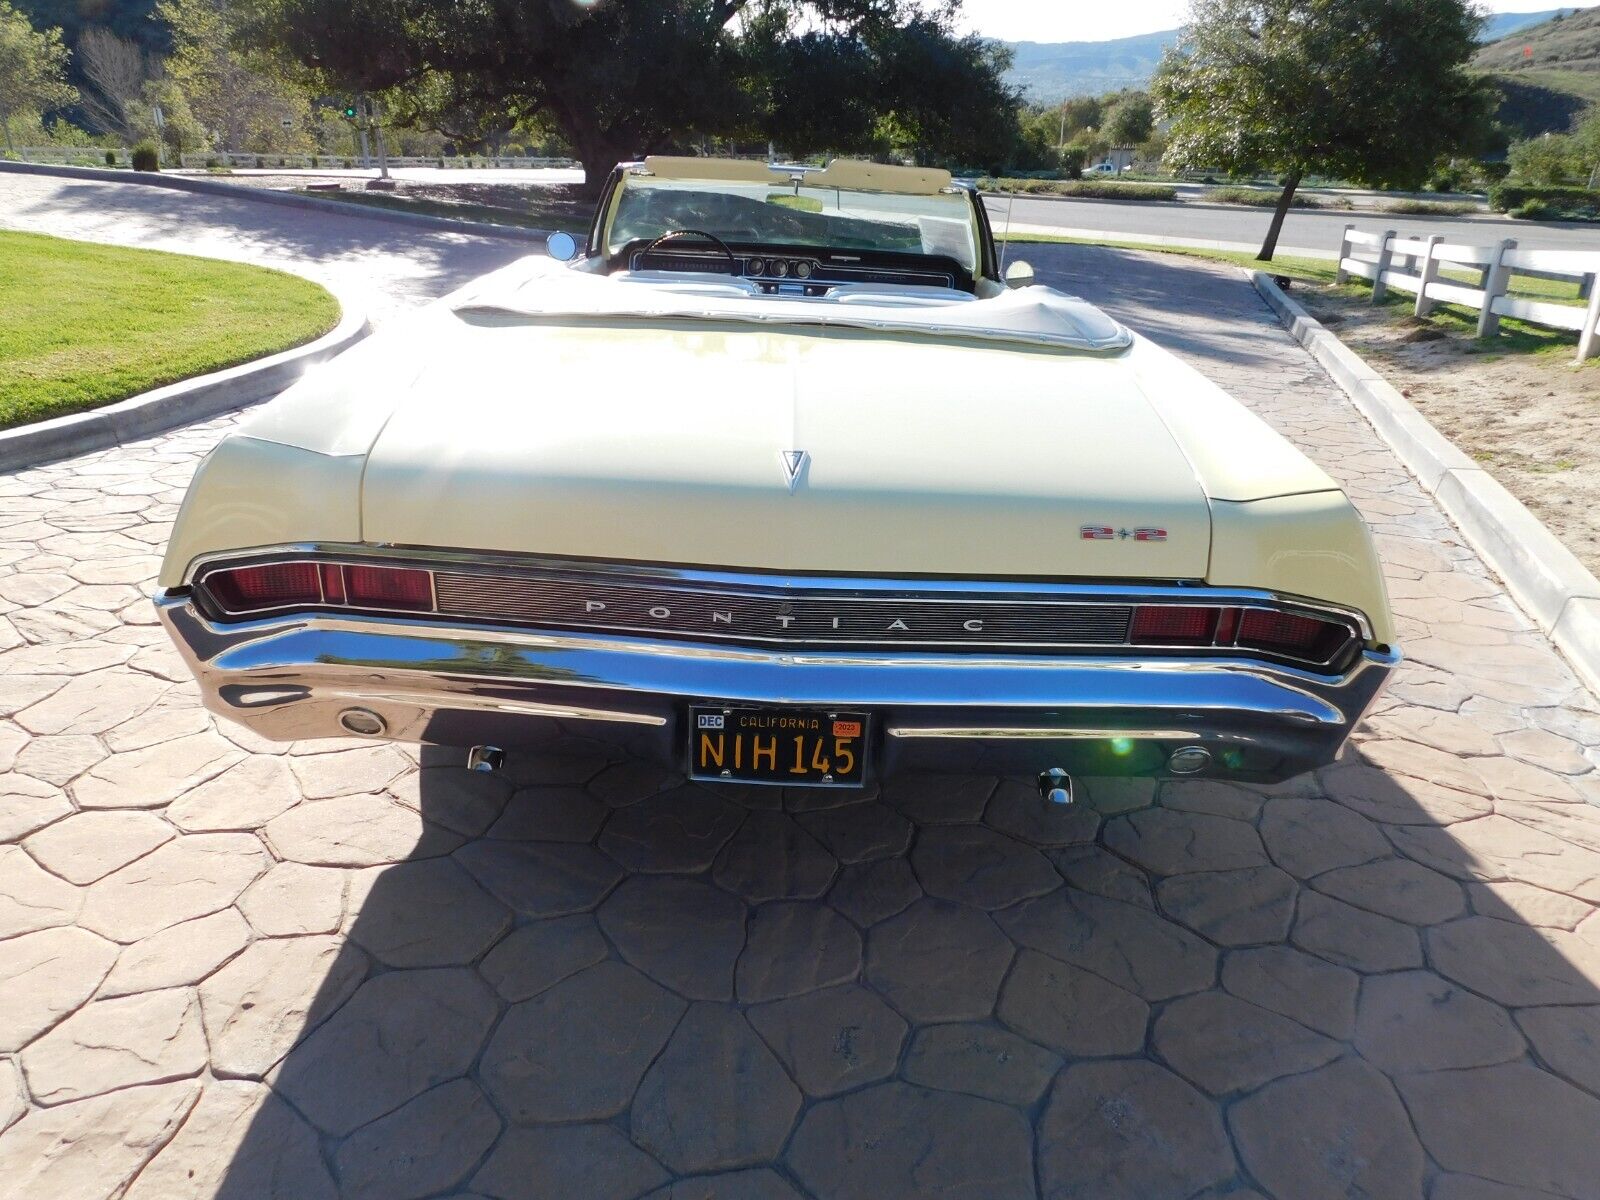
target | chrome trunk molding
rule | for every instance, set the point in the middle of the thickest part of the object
(779, 609)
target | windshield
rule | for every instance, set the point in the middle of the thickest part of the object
(788, 214)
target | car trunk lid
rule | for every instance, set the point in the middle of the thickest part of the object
(835, 451)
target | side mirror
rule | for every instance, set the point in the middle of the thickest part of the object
(1019, 275)
(563, 247)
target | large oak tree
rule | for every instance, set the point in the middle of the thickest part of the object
(1373, 91)
(621, 78)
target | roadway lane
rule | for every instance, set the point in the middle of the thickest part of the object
(1310, 230)
(384, 266)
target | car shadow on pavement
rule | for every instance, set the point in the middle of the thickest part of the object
(590, 979)
(360, 252)
(1158, 296)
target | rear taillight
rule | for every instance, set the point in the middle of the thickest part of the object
(271, 585)
(1172, 625)
(266, 586)
(1290, 634)
(389, 587)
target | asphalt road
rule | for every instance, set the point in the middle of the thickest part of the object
(1303, 230)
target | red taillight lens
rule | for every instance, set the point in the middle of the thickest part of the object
(389, 587)
(1291, 634)
(271, 585)
(1173, 625)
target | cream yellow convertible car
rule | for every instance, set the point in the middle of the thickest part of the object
(781, 479)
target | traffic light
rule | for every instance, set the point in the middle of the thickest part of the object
(349, 112)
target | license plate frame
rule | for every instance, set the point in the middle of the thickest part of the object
(825, 737)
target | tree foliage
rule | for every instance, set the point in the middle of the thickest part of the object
(242, 97)
(1559, 158)
(622, 78)
(1373, 91)
(1131, 120)
(32, 69)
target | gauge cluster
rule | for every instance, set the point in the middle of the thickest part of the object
(758, 267)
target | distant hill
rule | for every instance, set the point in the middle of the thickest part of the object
(1051, 71)
(1548, 72)
(1570, 42)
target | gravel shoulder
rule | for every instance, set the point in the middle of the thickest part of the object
(1531, 417)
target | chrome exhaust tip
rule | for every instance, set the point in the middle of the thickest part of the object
(362, 721)
(486, 759)
(1055, 788)
(1190, 760)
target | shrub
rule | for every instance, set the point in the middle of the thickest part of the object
(213, 163)
(1490, 173)
(1572, 203)
(1534, 210)
(145, 157)
(111, 158)
(1087, 188)
(261, 163)
(1429, 208)
(1255, 199)
(1449, 177)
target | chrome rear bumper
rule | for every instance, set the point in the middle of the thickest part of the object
(293, 676)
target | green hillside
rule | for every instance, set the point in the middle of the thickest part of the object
(1548, 72)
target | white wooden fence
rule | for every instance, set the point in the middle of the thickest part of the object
(1414, 265)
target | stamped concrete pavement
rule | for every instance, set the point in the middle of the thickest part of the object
(230, 968)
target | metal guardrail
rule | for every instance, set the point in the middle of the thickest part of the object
(1413, 265)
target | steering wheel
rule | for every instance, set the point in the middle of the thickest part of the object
(718, 243)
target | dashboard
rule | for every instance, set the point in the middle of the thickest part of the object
(781, 272)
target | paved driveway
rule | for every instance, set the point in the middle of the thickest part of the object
(236, 969)
(385, 266)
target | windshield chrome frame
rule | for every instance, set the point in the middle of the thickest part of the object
(986, 265)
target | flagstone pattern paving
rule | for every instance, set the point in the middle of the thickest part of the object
(334, 969)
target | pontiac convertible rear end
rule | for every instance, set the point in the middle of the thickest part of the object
(779, 481)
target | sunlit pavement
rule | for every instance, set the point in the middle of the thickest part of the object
(229, 968)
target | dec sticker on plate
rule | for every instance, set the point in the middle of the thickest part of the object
(848, 729)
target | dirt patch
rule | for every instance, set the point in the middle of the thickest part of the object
(1532, 419)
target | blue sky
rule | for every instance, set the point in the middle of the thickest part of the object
(1083, 21)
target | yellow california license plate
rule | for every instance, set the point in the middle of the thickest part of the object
(799, 747)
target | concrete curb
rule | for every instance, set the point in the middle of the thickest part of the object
(209, 187)
(1546, 578)
(179, 403)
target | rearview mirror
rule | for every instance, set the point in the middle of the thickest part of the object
(563, 247)
(1019, 275)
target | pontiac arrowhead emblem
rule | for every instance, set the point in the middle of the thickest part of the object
(794, 461)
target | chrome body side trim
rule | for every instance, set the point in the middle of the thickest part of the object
(290, 676)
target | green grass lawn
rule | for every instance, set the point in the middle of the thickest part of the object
(85, 325)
